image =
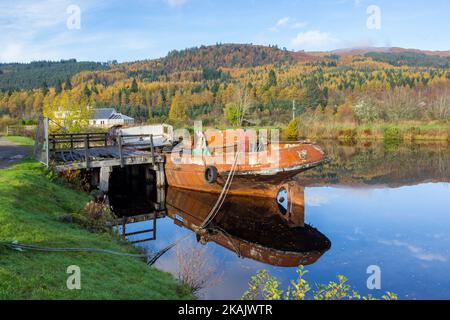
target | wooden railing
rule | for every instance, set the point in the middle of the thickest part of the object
(86, 141)
(77, 141)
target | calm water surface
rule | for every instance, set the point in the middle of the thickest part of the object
(375, 204)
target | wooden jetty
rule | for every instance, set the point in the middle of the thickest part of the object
(98, 153)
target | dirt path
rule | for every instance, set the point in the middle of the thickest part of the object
(11, 153)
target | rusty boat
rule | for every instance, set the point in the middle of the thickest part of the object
(269, 231)
(256, 171)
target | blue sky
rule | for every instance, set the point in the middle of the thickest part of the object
(138, 29)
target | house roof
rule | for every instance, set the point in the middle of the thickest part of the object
(103, 113)
(118, 116)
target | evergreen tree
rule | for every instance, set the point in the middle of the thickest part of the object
(86, 91)
(58, 87)
(44, 88)
(68, 85)
(134, 86)
(272, 81)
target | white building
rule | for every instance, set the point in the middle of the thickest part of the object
(109, 117)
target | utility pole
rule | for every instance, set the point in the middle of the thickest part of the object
(293, 109)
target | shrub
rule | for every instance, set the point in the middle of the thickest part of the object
(366, 111)
(348, 135)
(266, 287)
(96, 216)
(291, 132)
(392, 134)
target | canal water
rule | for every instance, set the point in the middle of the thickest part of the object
(374, 204)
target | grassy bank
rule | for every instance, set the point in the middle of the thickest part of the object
(31, 209)
(350, 131)
(23, 141)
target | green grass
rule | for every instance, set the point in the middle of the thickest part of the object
(376, 131)
(23, 141)
(31, 207)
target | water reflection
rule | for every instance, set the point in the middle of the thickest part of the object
(254, 228)
(374, 164)
(377, 205)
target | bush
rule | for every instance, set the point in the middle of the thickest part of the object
(348, 135)
(392, 134)
(266, 287)
(291, 132)
(96, 216)
(392, 138)
(366, 111)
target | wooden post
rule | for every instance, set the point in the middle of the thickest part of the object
(121, 151)
(86, 151)
(105, 174)
(54, 142)
(152, 148)
(46, 142)
(124, 228)
(160, 175)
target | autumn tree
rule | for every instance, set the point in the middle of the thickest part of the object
(178, 108)
(291, 132)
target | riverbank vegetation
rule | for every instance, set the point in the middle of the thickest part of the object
(267, 287)
(34, 206)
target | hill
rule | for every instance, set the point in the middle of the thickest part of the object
(212, 58)
(33, 75)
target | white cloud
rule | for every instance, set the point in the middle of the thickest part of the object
(283, 21)
(299, 25)
(313, 39)
(416, 252)
(280, 23)
(176, 3)
(316, 199)
(11, 52)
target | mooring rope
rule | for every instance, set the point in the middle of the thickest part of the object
(23, 247)
(14, 245)
(226, 188)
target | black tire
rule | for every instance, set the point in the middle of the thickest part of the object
(211, 174)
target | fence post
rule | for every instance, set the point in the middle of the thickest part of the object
(46, 142)
(152, 148)
(120, 151)
(86, 151)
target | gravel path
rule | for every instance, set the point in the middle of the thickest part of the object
(11, 152)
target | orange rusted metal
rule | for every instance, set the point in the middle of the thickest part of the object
(257, 230)
(257, 173)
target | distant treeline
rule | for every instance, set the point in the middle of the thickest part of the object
(38, 74)
(411, 59)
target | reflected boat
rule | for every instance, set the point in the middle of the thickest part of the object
(268, 230)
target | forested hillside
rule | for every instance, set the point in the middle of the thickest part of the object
(39, 74)
(232, 84)
(411, 59)
(211, 58)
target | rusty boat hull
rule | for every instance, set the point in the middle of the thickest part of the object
(259, 174)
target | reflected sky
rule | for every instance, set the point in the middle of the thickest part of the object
(405, 231)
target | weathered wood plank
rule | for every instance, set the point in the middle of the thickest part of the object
(147, 159)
